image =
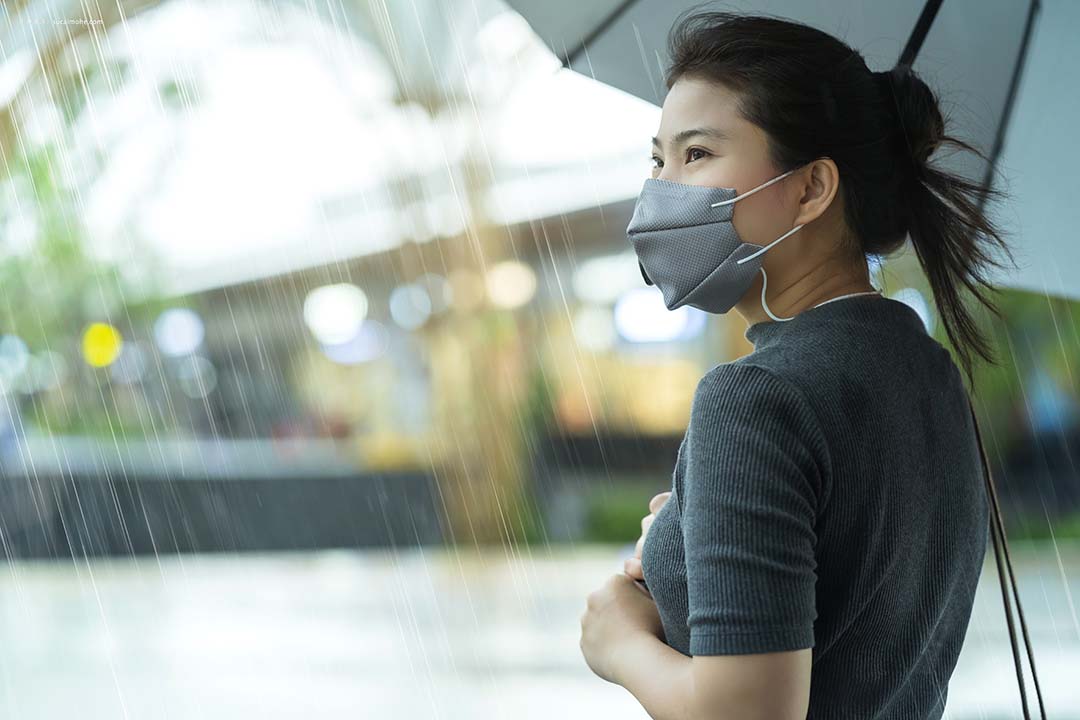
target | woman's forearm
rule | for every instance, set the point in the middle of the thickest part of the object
(658, 676)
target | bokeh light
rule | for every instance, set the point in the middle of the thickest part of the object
(334, 313)
(101, 344)
(14, 357)
(370, 342)
(642, 317)
(197, 376)
(603, 279)
(178, 331)
(410, 306)
(511, 284)
(43, 371)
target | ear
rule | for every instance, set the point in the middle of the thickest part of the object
(820, 181)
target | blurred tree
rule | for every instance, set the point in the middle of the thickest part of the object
(53, 287)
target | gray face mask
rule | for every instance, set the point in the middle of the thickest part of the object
(687, 245)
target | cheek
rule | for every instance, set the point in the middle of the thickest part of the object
(751, 223)
(760, 219)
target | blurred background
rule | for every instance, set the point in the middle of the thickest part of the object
(330, 382)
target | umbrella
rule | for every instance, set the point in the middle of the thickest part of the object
(972, 51)
(974, 54)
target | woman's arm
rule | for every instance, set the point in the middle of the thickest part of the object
(659, 676)
(755, 478)
(672, 686)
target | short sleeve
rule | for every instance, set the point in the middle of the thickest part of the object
(750, 497)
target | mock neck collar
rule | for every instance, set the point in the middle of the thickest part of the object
(860, 309)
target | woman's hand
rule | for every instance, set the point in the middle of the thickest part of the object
(615, 614)
(633, 564)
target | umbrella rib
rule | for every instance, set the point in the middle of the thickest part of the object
(922, 28)
(596, 31)
(1010, 98)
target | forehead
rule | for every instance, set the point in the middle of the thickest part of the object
(694, 103)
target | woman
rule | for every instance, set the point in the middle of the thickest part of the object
(819, 550)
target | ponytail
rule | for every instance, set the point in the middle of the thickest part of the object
(950, 231)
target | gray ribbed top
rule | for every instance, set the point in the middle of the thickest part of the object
(828, 493)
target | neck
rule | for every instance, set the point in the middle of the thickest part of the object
(788, 296)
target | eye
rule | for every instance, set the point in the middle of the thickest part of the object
(694, 149)
(658, 160)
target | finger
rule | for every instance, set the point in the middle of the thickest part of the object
(658, 501)
(633, 568)
(644, 590)
(646, 522)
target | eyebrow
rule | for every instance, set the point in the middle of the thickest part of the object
(681, 137)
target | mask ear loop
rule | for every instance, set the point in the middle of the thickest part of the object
(765, 277)
(764, 185)
(792, 231)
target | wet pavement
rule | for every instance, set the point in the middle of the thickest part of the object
(417, 634)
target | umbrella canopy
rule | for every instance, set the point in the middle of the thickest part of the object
(972, 54)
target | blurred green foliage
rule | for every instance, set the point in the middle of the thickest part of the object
(1036, 332)
(54, 288)
(1032, 527)
(614, 514)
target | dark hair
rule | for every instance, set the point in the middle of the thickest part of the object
(814, 96)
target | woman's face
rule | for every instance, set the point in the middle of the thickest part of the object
(704, 141)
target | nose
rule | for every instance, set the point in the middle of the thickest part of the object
(670, 177)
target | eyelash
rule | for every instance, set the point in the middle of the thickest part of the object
(688, 151)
